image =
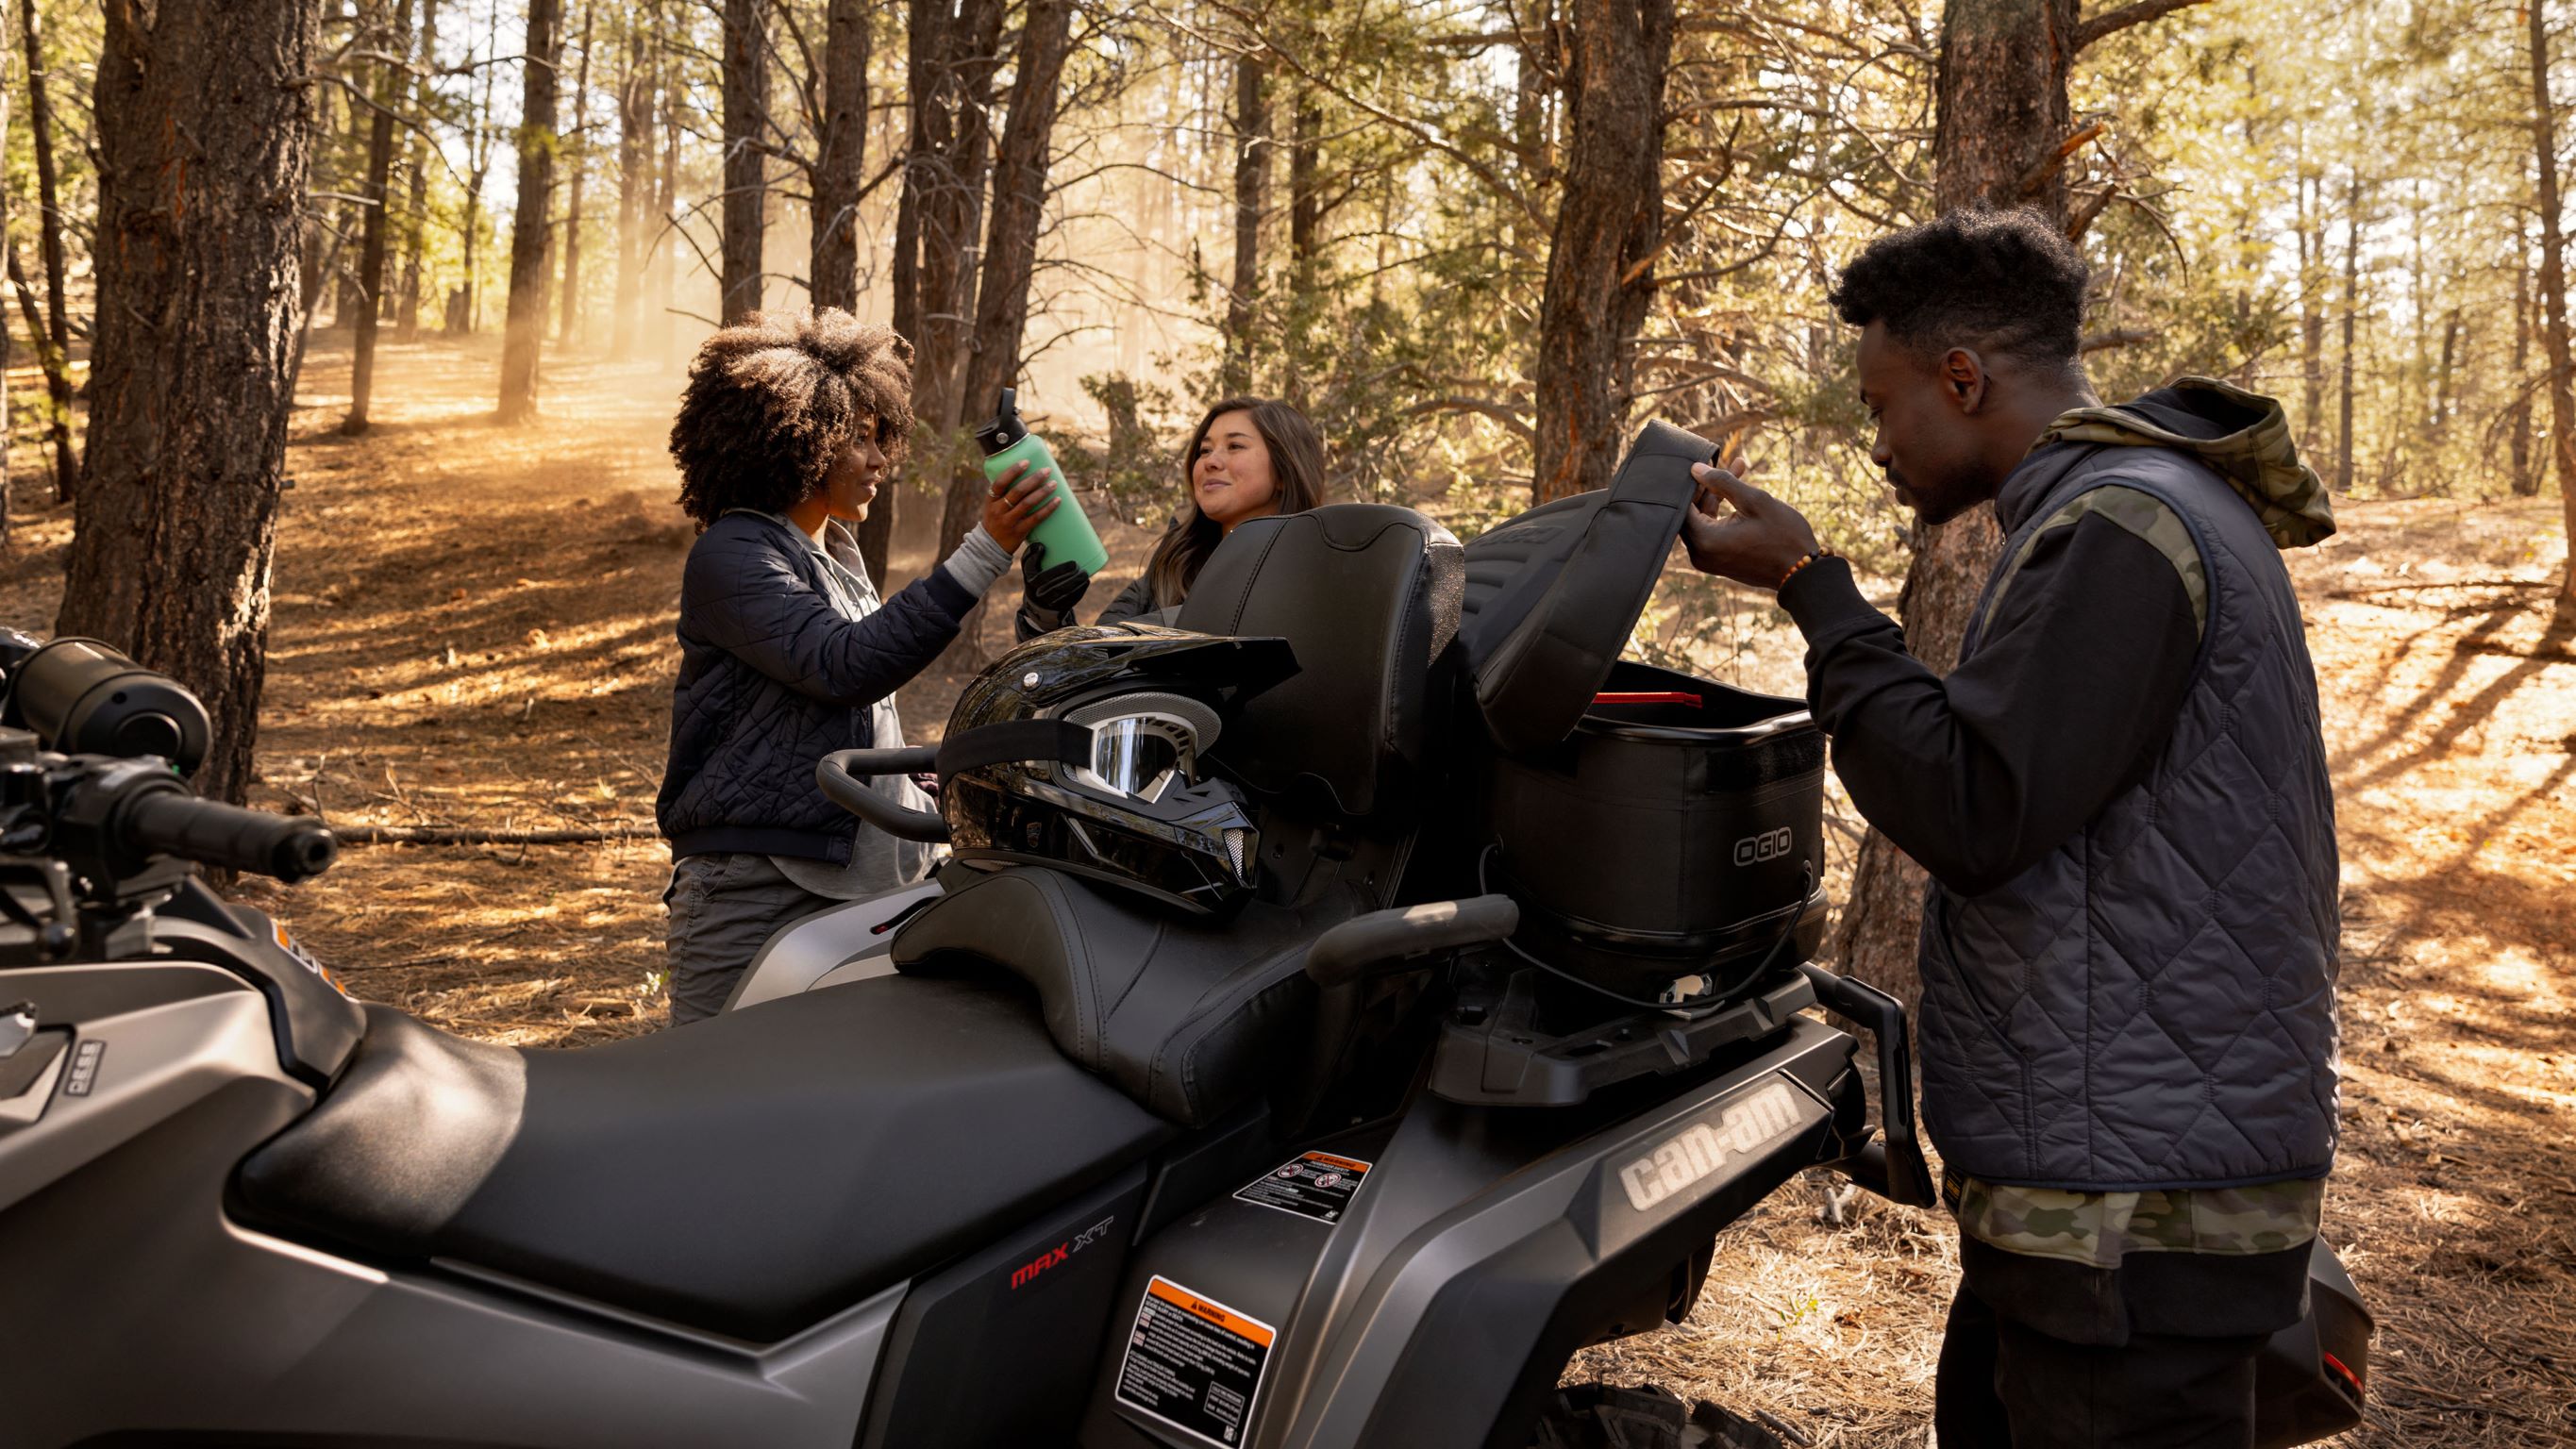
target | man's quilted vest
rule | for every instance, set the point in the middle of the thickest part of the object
(2152, 1005)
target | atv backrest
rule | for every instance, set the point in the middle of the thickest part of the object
(1368, 596)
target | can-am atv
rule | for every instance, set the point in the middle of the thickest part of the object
(1336, 1106)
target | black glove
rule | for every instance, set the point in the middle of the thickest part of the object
(1047, 595)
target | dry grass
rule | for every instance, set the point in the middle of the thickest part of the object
(474, 627)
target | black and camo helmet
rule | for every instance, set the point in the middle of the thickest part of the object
(1087, 750)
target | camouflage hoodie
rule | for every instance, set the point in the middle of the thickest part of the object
(2244, 437)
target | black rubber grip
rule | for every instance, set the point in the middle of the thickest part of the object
(840, 774)
(168, 822)
(1347, 951)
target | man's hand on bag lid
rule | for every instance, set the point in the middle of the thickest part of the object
(1736, 531)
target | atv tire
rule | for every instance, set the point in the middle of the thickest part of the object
(1605, 1416)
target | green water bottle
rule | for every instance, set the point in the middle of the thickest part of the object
(1065, 533)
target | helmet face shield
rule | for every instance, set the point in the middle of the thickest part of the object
(1139, 755)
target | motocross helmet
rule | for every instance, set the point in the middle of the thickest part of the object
(1085, 750)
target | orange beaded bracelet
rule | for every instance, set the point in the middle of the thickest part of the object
(1821, 552)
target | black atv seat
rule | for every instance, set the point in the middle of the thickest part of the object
(747, 1175)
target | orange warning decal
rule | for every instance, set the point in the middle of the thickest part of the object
(1346, 1164)
(1216, 1313)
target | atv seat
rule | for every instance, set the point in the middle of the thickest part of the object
(748, 1175)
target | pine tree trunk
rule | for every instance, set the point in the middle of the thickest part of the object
(1251, 198)
(634, 162)
(8, 421)
(1011, 245)
(841, 159)
(1609, 228)
(2312, 312)
(2553, 286)
(746, 185)
(416, 203)
(667, 198)
(479, 151)
(523, 335)
(54, 345)
(953, 213)
(371, 247)
(577, 156)
(2526, 481)
(198, 314)
(2344, 441)
(2000, 109)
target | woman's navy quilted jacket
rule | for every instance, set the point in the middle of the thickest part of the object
(772, 678)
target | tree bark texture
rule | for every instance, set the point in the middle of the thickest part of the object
(478, 146)
(2526, 479)
(371, 246)
(2553, 284)
(1011, 243)
(634, 183)
(1251, 198)
(2000, 114)
(746, 184)
(576, 155)
(1609, 227)
(524, 330)
(952, 176)
(833, 259)
(416, 203)
(2344, 441)
(666, 197)
(205, 135)
(54, 346)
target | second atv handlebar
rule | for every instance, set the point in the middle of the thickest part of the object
(173, 822)
(843, 776)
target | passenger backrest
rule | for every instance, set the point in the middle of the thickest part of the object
(1367, 594)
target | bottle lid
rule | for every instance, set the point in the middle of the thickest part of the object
(1006, 427)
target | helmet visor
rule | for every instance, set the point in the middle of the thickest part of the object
(1139, 754)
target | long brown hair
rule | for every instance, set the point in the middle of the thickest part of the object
(1297, 480)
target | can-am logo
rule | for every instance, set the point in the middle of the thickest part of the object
(1748, 1125)
(1769, 845)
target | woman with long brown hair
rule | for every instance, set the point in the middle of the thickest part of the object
(1251, 457)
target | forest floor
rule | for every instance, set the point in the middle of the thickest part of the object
(473, 627)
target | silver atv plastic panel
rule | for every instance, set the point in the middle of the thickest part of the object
(1367, 1307)
(845, 943)
(137, 1304)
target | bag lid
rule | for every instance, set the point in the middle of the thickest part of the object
(1552, 596)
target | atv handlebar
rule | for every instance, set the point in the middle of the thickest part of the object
(1347, 951)
(168, 822)
(1894, 1167)
(842, 774)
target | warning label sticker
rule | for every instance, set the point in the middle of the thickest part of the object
(1194, 1363)
(1317, 1185)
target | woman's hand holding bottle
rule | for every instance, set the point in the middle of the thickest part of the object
(1015, 503)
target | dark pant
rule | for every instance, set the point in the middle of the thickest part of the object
(723, 908)
(2005, 1385)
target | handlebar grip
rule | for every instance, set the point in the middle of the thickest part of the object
(172, 822)
(1345, 952)
(838, 774)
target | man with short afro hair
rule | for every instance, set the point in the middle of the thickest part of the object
(2128, 950)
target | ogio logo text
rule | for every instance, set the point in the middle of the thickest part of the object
(1769, 845)
(1755, 1122)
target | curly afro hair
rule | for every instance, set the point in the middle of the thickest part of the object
(774, 398)
(2003, 282)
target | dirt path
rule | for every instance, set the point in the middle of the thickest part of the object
(473, 627)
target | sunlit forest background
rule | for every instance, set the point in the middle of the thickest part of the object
(388, 487)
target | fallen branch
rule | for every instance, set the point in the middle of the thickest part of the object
(474, 835)
(2368, 590)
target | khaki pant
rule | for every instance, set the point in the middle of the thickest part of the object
(724, 906)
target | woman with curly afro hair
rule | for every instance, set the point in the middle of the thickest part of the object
(790, 424)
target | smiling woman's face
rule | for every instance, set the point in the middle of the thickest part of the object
(855, 477)
(1231, 478)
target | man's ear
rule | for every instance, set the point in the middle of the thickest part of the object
(1963, 379)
